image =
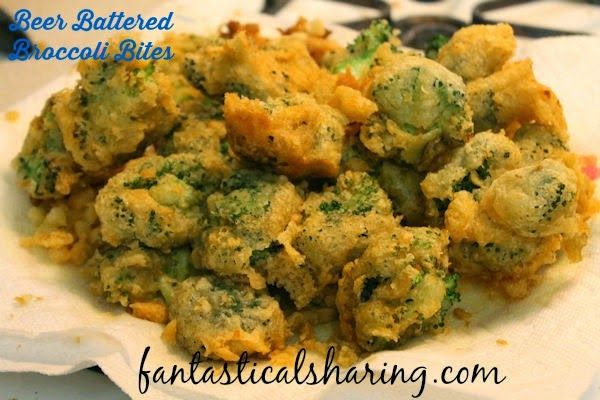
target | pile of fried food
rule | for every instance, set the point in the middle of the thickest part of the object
(253, 188)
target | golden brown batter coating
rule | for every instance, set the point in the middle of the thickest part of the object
(513, 96)
(294, 134)
(221, 319)
(478, 51)
(44, 167)
(338, 224)
(116, 108)
(423, 109)
(247, 237)
(258, 68)
(471, 168)
(397, 289)
(156, 200)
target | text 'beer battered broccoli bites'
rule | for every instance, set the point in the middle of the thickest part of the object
(397, 289)
(44, 167)
(478, 50)
(221, 319)
(156, 200)
(294, 134)
(423, 110)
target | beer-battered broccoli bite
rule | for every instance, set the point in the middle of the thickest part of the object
(45, 169)
(481, 248)
(534, 201)
(478, 50)
(356, 157)
(257, 67)
(423, 110)
(511, 96)
(403, 186)
(248, 218)
(537, 143)
(189, 99)
(294, 134)
(203, 138)
(359, 55)
(523, 219)
(156, 200)
(221, 319)
(472, 168)
(338, 224)
(397, 289)
(116, 109)
(127, 275)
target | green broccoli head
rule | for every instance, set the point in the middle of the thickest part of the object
(361, 51)
(434, 45)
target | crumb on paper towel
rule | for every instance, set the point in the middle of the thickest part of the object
(501, 342)
(25, 299)
(78, 339)
(11, 115)
(168, 334)
(150, 311)
(463, 315)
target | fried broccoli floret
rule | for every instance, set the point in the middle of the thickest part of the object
(339, 223)
(116, 109)
(423, 111)
(512, 96)
(294, 134)
(203, 138)
(434, 45)
(257, 67)
(484, 249)
(45, 169)
(127, 275)
(534, 201)
(397, 289)
(356, 157)
(156, 200)
(191, 101)
(248, 217)
(471, 168)
(478, 51)
(221, 319)
(361, 52)
(537, 143)
(403, 186)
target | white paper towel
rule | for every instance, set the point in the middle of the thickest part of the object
(553, 336)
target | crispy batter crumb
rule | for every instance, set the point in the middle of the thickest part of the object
(169, 333)
(151, 311)
(25, 299)
(11, 115)
(501, 342)
(78, 339)
(462, 314)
